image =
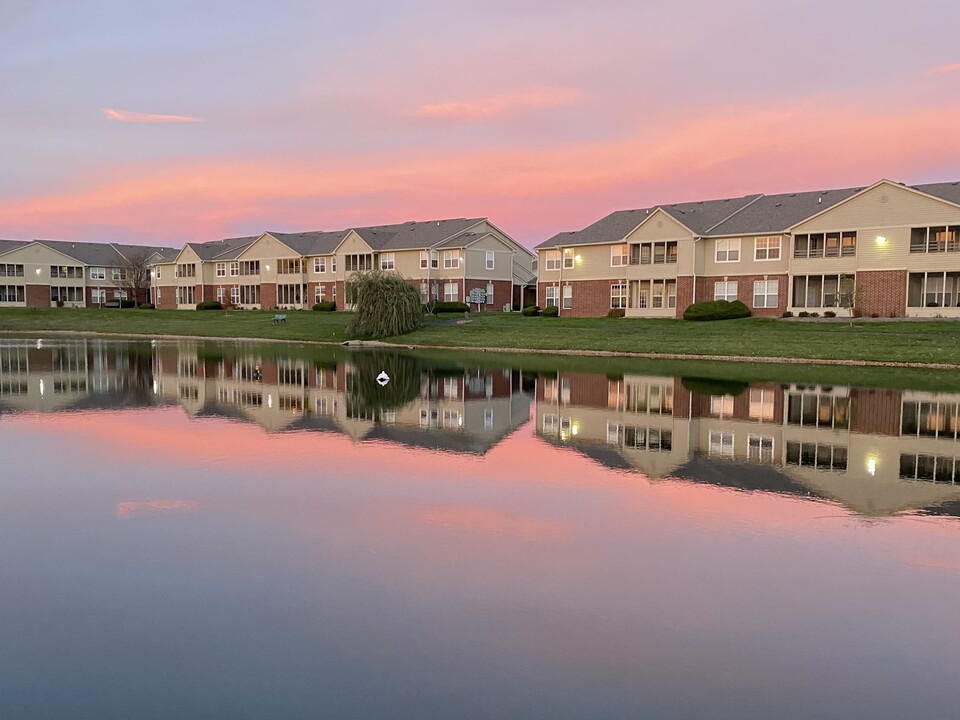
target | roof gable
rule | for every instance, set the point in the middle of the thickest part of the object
(659, 225)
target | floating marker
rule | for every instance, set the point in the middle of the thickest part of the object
(383, 378)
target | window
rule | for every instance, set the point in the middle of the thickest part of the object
(933, 289)
(489, 298)
(451, 259)
(766, 248)
(550, 423)
(221, 294)
(289, 294)
(66, 294)
(760, 448)
(158, 271)
(491, 259)
(551, 260)
(568, 258)
(657, 293)
(333, 263)
(725, 291)
(186, 295)
(99, 296)
(761, 404)
(221, 269)
(10, 270)
(234, 269)
(552, 295)
(288, 266)
(235, 295)
(487, 418)
(387, 261)
(567, 297)
(823, 291)
(119, 294)
(618, 296)
(721, 443)
(424, 292)
(121, 274)
(721, 406)
(424, 260)
(183, 270)
(249, 294)
(619, 255)
(318, 293)
(765, 293)
(99, 273)
(333, 292)
(831, 244)
(12, 293)
(614, 433)
(818, 410)
(656, 253)
(355, 263)
(64, 271)
(250, 267)
(319, 265)
(451, 388)
(451, 292)
(820, 456)
(728, 250)
(931, 419)
(935, 239)
(930, 468)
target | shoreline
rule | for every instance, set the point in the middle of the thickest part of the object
(767, 360)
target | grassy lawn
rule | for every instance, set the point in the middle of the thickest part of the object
(904, 341)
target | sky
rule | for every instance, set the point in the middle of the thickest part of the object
(166, 122)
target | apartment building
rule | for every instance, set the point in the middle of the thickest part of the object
(877, 452)
(45, 273)
(445, 259)
(889, 249)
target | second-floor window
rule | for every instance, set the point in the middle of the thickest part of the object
(766, 248)
(728, 250)
(551, 260)
(387, 261)
(234, 269)
(183, 270)
(221, 269)
(65, 271)
(618, 255)
(355, 263)
(289, 266)
(568, 258)
(451, 259)
(935, 239)
(250, 267)
(831, 244)
(491, 259)
(121, 274)
(99, 273)
(319, 265)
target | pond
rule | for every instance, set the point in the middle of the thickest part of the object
(191, 529)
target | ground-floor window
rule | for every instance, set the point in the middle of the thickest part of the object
(66, 294)
(721, 443)
(818, 455)
(451, 292)
(933, 289)
(725, 291)
(568, 297)
(235, 295)
(931, 419)
(103, 296)
(221, 295)
(823, 291)
(931, 468)
(552, 296)
(765, 293)
(424, 292)
(489, 293)
(186, 295)
(318, 294)
(760, 448)
(249, 294)
(618, 296)
(650, 294)
(289, 294)
(12, 293)
(119, 294)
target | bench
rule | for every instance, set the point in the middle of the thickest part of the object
(277, 319)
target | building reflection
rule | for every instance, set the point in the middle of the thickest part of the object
(877, 452)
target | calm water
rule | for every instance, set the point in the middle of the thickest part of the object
(196, 530)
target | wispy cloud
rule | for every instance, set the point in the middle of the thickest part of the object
(941, 69)
(496, 106)
(137, 117)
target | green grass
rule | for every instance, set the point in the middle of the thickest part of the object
(897, 341)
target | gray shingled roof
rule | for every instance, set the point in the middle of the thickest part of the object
(461, 240)
(414, 235)
(227, 249)
(776, 213)
(312, 243)
(701, 216)
(98, 254)
(9, 245)
(949, 191)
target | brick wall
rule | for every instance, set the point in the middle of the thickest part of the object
(884, 292)
(705, 291)
(591, 298)
(327, 292)
(502, 291)
(268, 296)
(684, 293)
(876, 412)
(37, 295)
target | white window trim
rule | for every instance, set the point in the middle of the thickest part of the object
(552, 260)
(766, 293)
(554, 292)
(490, 259)
(451, 259)
(388, 261)
(424, 260)
(756, 249)
(728, 244)
(726, 295)
(221, 269)
(616, 255)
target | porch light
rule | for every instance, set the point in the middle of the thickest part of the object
(578, 258)
(872, 465)
(266, 266)
(38, 271)
(881, 240)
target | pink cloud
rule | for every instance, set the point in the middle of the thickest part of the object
(136, 117)
(489, 108)
(941, 69)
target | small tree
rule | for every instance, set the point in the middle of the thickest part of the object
(851, 297)
(135, 276)
(384, 305)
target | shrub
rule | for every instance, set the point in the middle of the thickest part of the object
(787, 314)
(829, 313)
(450, 307)
(803, 313)
(59, 303)
(814, 314)
(530, 310)
(716, 310)
(713, 386)
(147, 306)
(617, 313)
(325, 306)
(874, 315)
(128, 303)
(210, 305)
(552, 311)
(385, 304)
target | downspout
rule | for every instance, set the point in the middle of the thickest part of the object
(559, 290)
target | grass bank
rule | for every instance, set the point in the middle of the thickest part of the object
(927, 342)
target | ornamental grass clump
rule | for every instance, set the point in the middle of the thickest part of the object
(384, 305)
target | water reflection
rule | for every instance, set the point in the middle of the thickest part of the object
(876, 451)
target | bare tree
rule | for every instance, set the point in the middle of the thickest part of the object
(135, 276)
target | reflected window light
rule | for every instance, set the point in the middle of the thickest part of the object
(872, 465)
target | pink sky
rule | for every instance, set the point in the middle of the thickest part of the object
(542, 118)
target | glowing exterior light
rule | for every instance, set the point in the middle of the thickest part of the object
(881, 240)
(872, 465)
(38, 271)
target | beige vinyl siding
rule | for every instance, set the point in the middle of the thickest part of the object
(746, 265)
(407, 263)
(167, 276)
(521, 255)
(36, 258)
(352, 244)
(267, 249)
(659, 226)
(476, 259)
(593, 264)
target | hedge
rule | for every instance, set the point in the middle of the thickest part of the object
(325, 306)
(551, 311)
(530, 310)
(716, 310)
(451, 307)
(147, 306)
(210, 305)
